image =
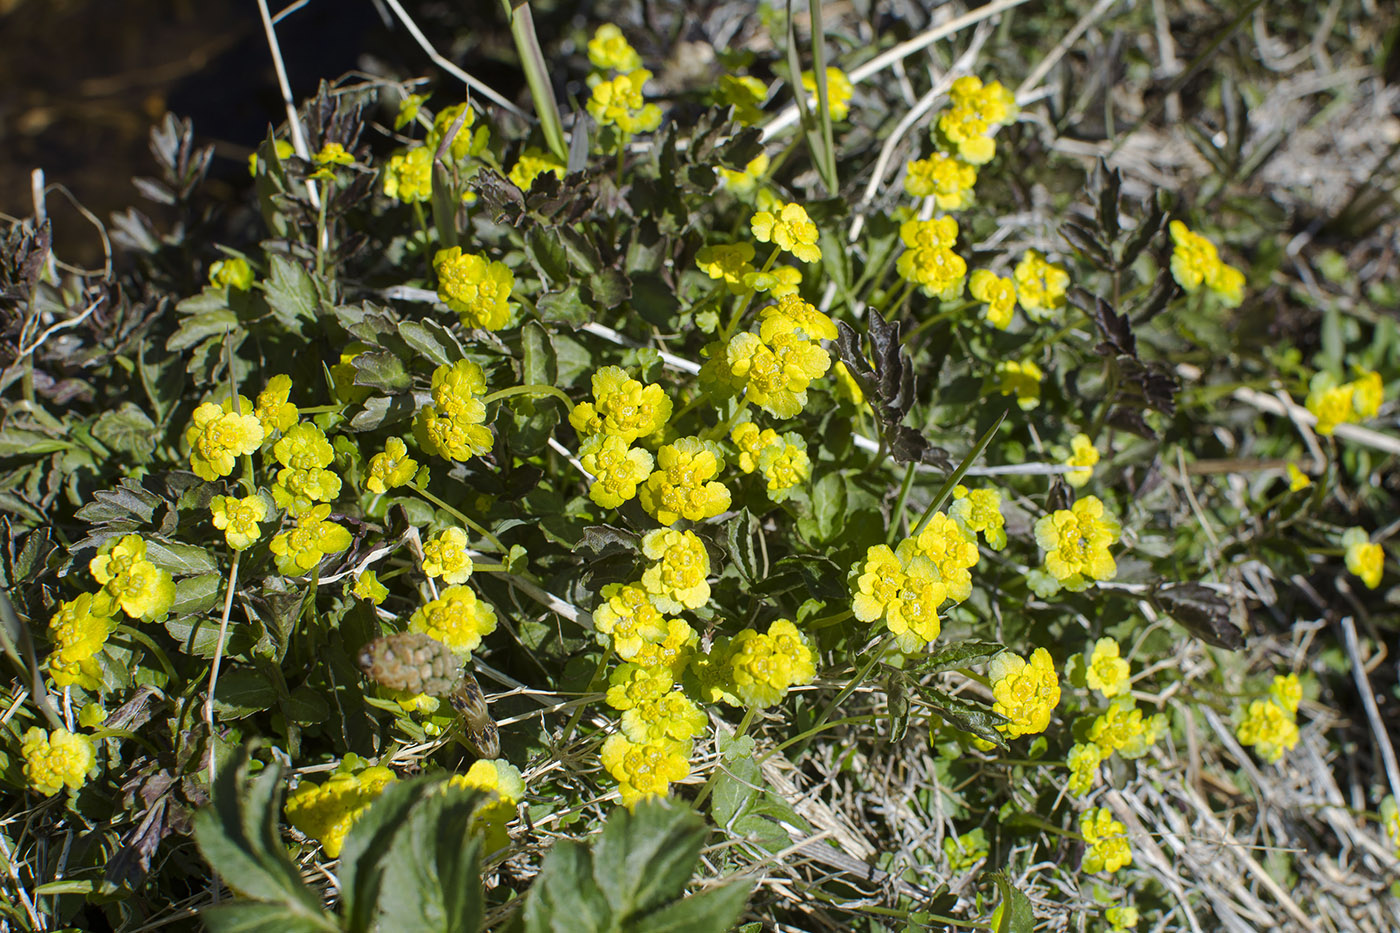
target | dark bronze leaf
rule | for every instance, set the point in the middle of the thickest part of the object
(1202, 612)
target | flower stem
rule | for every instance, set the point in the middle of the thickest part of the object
(456, 513)
(591, 689)
(714, 775)
(856, 681)
(722, 430)
(738, 315)
(537, 391)
(897, 516)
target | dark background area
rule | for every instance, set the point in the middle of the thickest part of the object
(83, 81)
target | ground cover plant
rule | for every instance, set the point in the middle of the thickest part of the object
(790, 468)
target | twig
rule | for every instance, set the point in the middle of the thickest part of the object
(432, 53)
(788, 115)
(293, 121)
(1043, 67)
(219, 655)
(13, 872)
(1368, 700)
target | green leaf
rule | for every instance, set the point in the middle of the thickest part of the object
(644, 858)
(182, 560)
(242, 692)
(238, 836)
(735, 787)
(19, 443)
(547, 255)
(967, 716)
(1016, 913)
(959, 655)
(380, 410)
(537, 355)
(413, 861)
(738, 533)
(126, 502)
(829, 504)
(564, 897)
(432, 340)
(307, 707)
(127, 429)
(290, 292)
(711, 911)
(609, 288)
(382, 370)
(201, 327)
(254, 917)
(197, 594)
(566, 307)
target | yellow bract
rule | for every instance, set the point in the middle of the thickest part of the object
(838, 91)
(946, 179)
(325, 812)
(1040, 285)
(56, 760)
(619, 103)
(1076, 542)
(456, 618)
(476, 288)
(1107, 841)
(1026, 692)
(790, 229)
(683, 485)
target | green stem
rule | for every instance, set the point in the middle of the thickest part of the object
(834, 724)
(743, 306)
(856, 681)
(456, 513)
(124, 734)
(958, 474)
(145, 640)
(714, 775)
(897, 516)
(538, 391)
(974, 676)
(592, 689)
(943, 315)
(722, 430)
(527, 45)
(824, 621)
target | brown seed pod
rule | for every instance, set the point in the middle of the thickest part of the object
(413, 662)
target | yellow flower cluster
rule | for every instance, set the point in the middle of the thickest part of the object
(775, 371)
(1025, 692)
(301, 549)
(325, 812)
(1083, 456)
(619, 102)
(745, 94)
(785, 465)
(304, 452)
(905, 586)
(1364, 558)
(238, 519)
(1021, 379)
(390, 468)
(621, 407)
(789, 228)
(1083, 760)
(755, 669)
(456, 618)
(1123, 729)
(476, 288)
(731, 263)
(676, 578)
(1349, 402)
(445, 556)
(1121, 919)
(452, 426)
(947, 179)
(503, 781)
(1040, 285)
(609, 50)
(1271, 724)
(630, 617)
(979, 511)
(1390, 820)
(929, 260)
(684, 485)
(217, 438)
(1076, 542)
(838, 91)
(645, 769)
(616, 468)
(997, 293)
(409, 175)
(467, 141)
(232, 273)
(1107, 841)
(79, 629)
(130, 580)
(56, 760)
(1108, 673)
(1196, 262)
(531, 164)
(976, 110)
(274, 409)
